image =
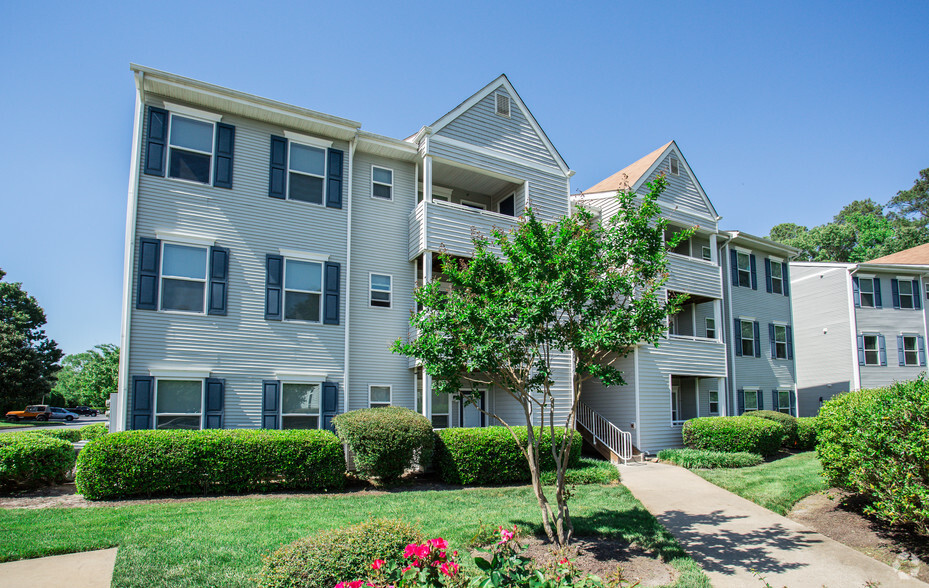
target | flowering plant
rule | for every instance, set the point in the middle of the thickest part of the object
(427, 565)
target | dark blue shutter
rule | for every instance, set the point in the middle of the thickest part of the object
(334, 185)
(921, 348)
(901, 357)
(917, 297)
(740, 399)
(882, 349)
(219, 280)
(775, 401)
(142, 392)
(331, 303)
(785, 278)
(856, 291)
(767, 275)
(222, 164)
(737, 336)
(790, 343)
(793, 403)
(757, 339)
(157, 140)
(149, 268)
(759, 394)
(270, 396)
(878, 303)
(751, 259)
(330, 403)
(895, 292)
(274, 287)
(773, 340)
(277, 183)
(860, 349)
(215, 401)
(734, 266)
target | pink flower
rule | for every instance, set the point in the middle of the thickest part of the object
(449, 569)
(439, 543)
(411, 551)
(505, 535)
(564, 560)
(378, 563)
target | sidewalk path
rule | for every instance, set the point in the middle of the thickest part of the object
(90, 569)
(730, 536)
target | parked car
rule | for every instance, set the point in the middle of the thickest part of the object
(84, 411)
(64, 414)
(39, 412)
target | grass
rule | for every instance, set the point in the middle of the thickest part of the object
(220, 542)
(589, 471)
(776, 485)
(18, 424)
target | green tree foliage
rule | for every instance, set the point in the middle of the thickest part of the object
(28, 358)
(576, 285)
(89, 378)
(913, 205)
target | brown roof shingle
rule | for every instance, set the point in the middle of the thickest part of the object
(918, 255)
(629, 175)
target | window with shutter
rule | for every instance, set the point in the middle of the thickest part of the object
(910, 350)
(178, 404)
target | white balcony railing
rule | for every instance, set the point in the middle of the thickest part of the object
(437, 224)
(694, 276)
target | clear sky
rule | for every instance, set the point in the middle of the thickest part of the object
(785, 110)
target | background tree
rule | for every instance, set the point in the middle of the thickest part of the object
(577, 286)
(28, 359)
(913, 205)
(89, 378)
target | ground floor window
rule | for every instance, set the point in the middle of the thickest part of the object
(378, 396)
(752, 400)
(676, 405)
(300, 406)
(714, 402)
(910, 350)
(178, 404)
(783, 401)
(440, 411)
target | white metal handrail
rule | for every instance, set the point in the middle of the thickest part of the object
(617, 440)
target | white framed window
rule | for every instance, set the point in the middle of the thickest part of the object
(752, 398)
(378, 396)
(440, 411)
(190, 148)
(780, 342)
(306, 172)
(300, 404)
(178, 404)
(382, 183)
(502, 104)
(714, 402)
(906, 293)
(183, 277)
(707, 254)
(747, 338)
(745, 269)
(910, 350)
(381, 293)
(872, 354)
(783, 401)
(675, 166)
(472, 204)
(710, 328)
(777, 277)
(676, 405)
(866, 291)
(303, 290)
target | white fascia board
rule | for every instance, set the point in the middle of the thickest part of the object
(304, 255)
(372, 143)
(763, 243)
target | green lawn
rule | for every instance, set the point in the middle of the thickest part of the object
(776, 485)
(220, 542)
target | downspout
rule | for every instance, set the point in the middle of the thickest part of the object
(122, 385)
(348, 271)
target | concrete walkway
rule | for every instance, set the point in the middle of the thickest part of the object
(730, 536)
(91, 569)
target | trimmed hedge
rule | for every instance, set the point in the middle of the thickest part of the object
(490, 455)
(733, 434)
(703, 458)
(588, 471)
(321, 560)
(386, 441)
(806, 433)
(146, 463)
(876, 443)
(28, 460)
(91, 432)
(787, 422)
(70, 434)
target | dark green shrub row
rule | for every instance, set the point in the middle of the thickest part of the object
(133, 463)
(322, 559)
(70, 434)
(876, 443)
(28, 460)
(733, 434)
(806, 433)
(386, 441)
(91, 432)
(704, 458)
(588, 471)
(482, 456)
(787, 422)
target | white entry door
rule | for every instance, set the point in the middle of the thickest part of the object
(471, 416)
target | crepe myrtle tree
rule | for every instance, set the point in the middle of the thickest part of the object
(589, 288)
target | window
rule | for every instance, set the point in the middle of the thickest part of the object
(675, 405)
(471, 204)
(783, 401)
(507, 206)
(780, 342)
(183, 278)
(380, 290)
(303, 290)
(906, 293)
(178, 404)
(745, 269)
(440, 411)
(675, 166)
(378, 396)
(502, 104)
(707, 254)
(871, 352)
(751, 400)
(382, 183)
(190, 149)
(306, 173)
(300, 406)
(710, 328)
(866, 291)
(747, 329)
(910, 350)
(714, 401)
(777, 277)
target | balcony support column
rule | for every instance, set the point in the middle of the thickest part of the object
(427, 278)
(723, 396)
(427, 178)
(714, 250)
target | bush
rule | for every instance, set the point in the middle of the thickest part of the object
(588, 471)
(703, 458)
(321, 560)
(28, 460)
(787, 422)
(386, 441)
(134, 463)
(876, 443)
(733, 434)
(490, 455)
(70, 435)
(91, 432)
(806, 433)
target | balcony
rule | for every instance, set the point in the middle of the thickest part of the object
(445, 225)
(694, 276)
(688, 356)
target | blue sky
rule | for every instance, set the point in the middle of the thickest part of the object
(785, 110)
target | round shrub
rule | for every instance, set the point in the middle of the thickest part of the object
(71, 435)
(91, 432)
(733, 434)
(323, 559)
(386, 441)
(28, 460)
(703, 458)
(876, 443)
(490, 455)
(145, 463)
(787, 422)
(806, 433)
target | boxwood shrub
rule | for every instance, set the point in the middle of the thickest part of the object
(787, 422)
(806, 433)
(137, 463)
(386, 441)
(490, 455)
(323, 559)
(732, 434)
(69, 434)
(91, 432)
(28, 460)
(876, 443)
(704, 458)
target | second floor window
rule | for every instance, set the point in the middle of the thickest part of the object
(710, 328)
(183, 278)
(306, 173)
(745, 269)
(380, 290)
(777, 277)
(780, 342)
(906, 293)
(302, 290)
(382, 183)
(190, 149)
(747, 337)
(866, 290)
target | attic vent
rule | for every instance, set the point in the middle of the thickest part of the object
(503, 104)
(675, 167)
